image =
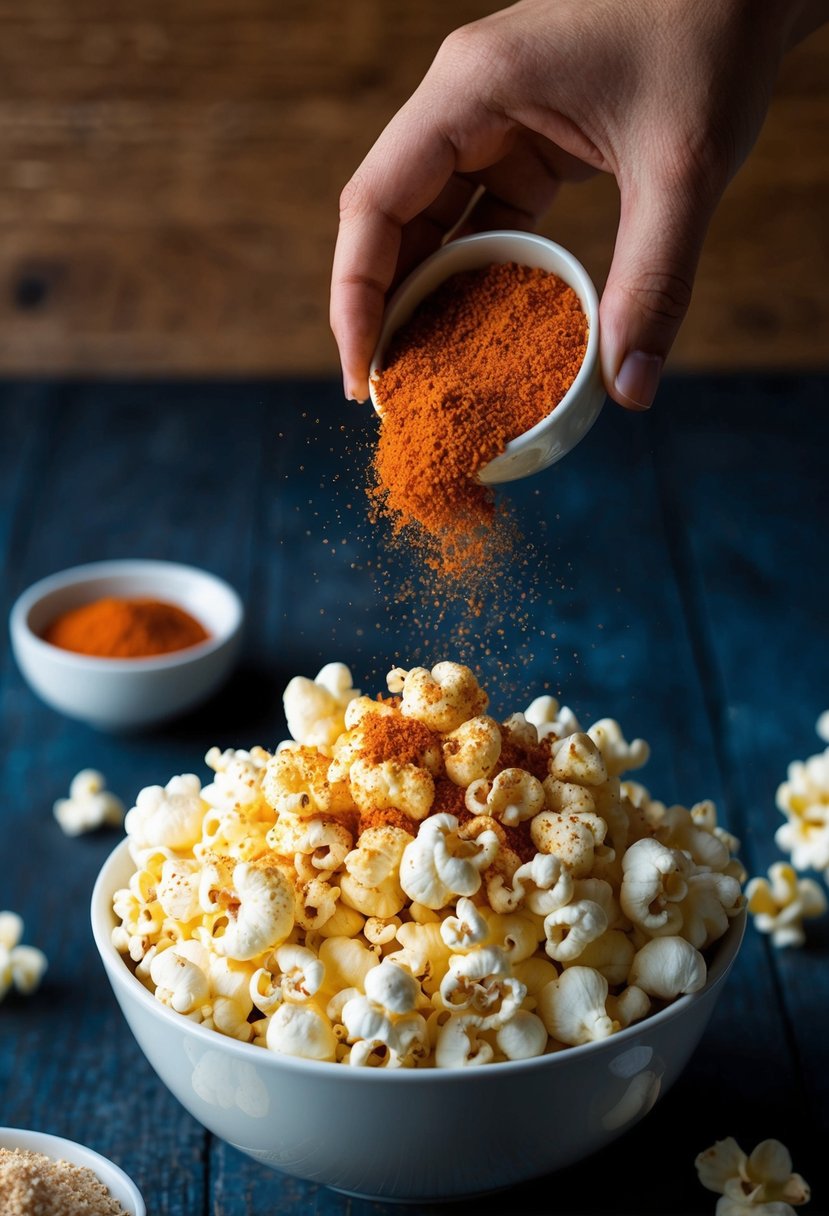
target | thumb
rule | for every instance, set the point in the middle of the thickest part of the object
(648, 288)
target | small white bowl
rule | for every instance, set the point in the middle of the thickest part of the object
(581, 405)
(119, 1184)
(126, 694)
(430, 1134)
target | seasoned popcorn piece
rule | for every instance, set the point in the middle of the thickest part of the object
(511, 797)
(466, 930)
(238, 779)
(442, 698)
(255, 903)
(762, 1183)
(89, 805)
(471, 751)
(391, 785)
(575, 838)
(781, 903)
(804, 800)
(315, 709)
(370, 882)
(297, 782)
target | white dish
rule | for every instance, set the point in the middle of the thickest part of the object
(126, 694)
(572, 418)
(119, 1184)
(410, 1135)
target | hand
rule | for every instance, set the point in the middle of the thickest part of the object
(667, 95)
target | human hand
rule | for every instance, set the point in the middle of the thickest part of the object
(667, 95)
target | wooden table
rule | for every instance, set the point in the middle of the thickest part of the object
(684, 560)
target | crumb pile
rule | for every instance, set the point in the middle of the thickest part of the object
(32, 1184)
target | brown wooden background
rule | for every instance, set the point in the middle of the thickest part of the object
(169, 175)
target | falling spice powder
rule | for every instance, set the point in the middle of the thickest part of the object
(32, 1184)
(482, 360)
(115, 628)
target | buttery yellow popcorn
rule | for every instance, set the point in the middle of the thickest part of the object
(409, 883)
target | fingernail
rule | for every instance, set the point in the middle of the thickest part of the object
(638, 379)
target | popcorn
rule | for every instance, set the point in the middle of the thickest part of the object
(409, 883)
(21, 967)
(781, 902)
(804, 800)
(89, 805)
(761, 1184)
(315, 709)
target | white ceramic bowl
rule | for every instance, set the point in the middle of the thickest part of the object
(407, 1134)
(126, 694)
(573, 417)
(119, 1184)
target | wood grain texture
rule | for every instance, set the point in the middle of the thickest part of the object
(169, 182)
(682, 590)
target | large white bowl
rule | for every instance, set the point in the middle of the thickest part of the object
(119, 1184)
(126, 694)
(408, 1135)
(581, 405)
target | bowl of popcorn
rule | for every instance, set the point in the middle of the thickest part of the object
(125, 645)
(338, 954)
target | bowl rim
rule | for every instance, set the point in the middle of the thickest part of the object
(586, 291)
(725, 950)
(73, 576)
(56, 1148)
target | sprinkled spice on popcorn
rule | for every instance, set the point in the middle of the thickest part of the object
(484, 357)
(409, 882)
(32, 1184)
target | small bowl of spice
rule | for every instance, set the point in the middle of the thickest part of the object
(496, 338)
(126, 644)
(49, 1176)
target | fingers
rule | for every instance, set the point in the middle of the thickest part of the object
(402, 176)
(648, 289)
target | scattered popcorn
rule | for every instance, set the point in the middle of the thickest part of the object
(780, 903)
(759, 1185)
(21, 967)
(408, 882)
(89, 805)
(804, 800)
(822, 727)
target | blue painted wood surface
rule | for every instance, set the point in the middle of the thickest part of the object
(682, 586)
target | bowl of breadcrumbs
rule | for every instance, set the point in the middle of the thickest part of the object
(42, 1175)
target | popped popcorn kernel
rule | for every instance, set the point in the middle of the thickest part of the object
(780, 903)
(761, 1184)
(89, 806)
(21, 967)
(409, 883)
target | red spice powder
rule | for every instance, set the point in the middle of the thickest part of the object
(387, 737)
(483, 359)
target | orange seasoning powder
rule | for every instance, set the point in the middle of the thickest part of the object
(483, 358)
(125, 629)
